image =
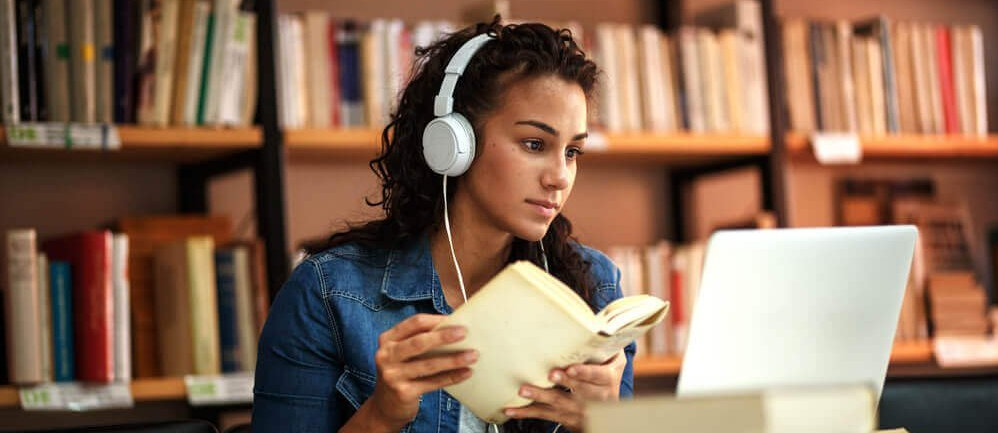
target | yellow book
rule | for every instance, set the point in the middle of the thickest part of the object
(552, 327)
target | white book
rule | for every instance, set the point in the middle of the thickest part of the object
(861, 73)
(658, 286)
(935, 92)
(669, 83)
(233, 91)
(83, 79)
(653, 107)
(693, 92)
(847, 87)
(714, 86)
(609, 105)
(224, 13)
(628, 69)
(317, 68)
(195, 65)
(22, 305)
(285, 101)
(729, 46)
(979, 83)
(122, 310)
(395, 68)
(877, 96)
(9, 97)
(374, 71)
(45, 318)
(920, 69)
(299, 83)
(553, 327)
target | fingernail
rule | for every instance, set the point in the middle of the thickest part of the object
(510, 412)
(455, 333)
(573, 371)
(525, 393)
(556, 376)
(470, 355)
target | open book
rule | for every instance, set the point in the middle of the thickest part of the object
(525, 322)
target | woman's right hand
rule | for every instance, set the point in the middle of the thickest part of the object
(404, 374)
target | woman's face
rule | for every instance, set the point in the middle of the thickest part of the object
(526, 163)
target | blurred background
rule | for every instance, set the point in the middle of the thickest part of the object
(191, 146)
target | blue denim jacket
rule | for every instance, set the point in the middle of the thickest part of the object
(315, 364)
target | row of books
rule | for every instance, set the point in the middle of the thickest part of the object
(99, 306)
(703, 79)
(878, 77)
(669, 272)
(153, 62)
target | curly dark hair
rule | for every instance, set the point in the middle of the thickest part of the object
(410, 191)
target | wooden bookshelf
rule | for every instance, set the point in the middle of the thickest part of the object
(910, 147)
(143, 390)
(633, 147)
(176, 144)
(907, 353)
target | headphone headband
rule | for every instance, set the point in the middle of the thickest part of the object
(443, 104)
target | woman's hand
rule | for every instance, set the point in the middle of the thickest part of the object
(585, 382)
(404, 374)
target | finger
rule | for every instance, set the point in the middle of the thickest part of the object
(441, 380)
(600, 375)
(582, 389)
(422, 343)
(553, 397)
(437, 364)
(536, 411)
(411, 326)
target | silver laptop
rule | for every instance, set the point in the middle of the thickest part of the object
(796, 308)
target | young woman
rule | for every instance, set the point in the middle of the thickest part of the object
(343, 346)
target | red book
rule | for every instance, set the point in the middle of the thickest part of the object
(676, 297)
(946, 87)
(334, 77)
(89, 255)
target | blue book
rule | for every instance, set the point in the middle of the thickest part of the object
(225, 281)
(348, 53)
(61, 285)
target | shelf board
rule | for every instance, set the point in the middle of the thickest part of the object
(308, 144)
(143, 390)
(911, 147)
(903, 353)
(175, 144)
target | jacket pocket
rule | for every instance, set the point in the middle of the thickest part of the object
(355, 388)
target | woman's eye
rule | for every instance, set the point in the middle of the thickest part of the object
(573, 152)
(534, 145)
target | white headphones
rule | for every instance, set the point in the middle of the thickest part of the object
(449, 139)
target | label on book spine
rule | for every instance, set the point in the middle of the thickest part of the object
(219, 389)
(78, 397)
(54, 135)
(836, 148)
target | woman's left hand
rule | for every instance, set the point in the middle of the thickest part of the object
(585, 382)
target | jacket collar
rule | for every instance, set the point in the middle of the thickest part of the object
(410, 275)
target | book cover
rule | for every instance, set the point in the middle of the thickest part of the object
(23, 307)
(225, 277)
(104, 60)
(9, 94)
(60, 282)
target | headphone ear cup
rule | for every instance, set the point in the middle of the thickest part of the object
(449, 144)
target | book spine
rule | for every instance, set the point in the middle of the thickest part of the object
(60, 281)
(44, 316)
(122, 323)
(9, 94)
(233, 81)
(817, 63)
(352, 111)
(23, 308)
(104, 62)
(228, 335)
(82, 61)
(127, 22)
(244, 318)
(944, 61)
(27, 63)
(206, 63)
(195, 63)
(203, 305)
